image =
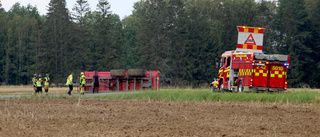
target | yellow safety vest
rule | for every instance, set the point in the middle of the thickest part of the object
(46, 81)
(83, 79)
(34, 80)
(39, 82)
(69, 80)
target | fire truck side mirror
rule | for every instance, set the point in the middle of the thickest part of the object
(217, 63)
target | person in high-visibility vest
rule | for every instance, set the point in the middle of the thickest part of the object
(39, 84)
(46, 83)
(34, 82)
(70, 83)
(82, 83)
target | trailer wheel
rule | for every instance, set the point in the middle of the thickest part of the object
(118, 72)
(240, 87)
(135, 72)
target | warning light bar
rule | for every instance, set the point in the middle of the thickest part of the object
(259, 63)
(286, 65)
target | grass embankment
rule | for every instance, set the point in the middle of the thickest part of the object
(302, 96)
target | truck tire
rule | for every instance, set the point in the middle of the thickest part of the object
(135, 72)
(221, 86)
(118, 72)
(211, 88)
(240, 87)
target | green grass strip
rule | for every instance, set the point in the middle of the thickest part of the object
(205, 95)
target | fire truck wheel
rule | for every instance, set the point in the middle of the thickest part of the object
(211, 88)
(135, 72)
(240, 87)
(221, 87)
(118, 72)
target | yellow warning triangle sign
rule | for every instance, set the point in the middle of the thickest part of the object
(250, 40)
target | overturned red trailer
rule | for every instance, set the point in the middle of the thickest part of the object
(124, 80)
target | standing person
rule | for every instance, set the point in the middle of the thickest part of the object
(46, 83)
(39, 84)
(34, 82)
(70, 83)
(96, 80)
(82, 83)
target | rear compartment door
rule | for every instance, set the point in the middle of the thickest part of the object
(278, 74)
(260, 76)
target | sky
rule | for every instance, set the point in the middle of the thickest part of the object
(121, 7)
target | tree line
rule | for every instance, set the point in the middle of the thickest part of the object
(181, 38)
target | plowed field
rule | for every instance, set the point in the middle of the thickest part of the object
(104, 117)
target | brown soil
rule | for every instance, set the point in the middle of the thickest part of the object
(105, 117)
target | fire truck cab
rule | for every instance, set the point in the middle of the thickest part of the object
(248, 69)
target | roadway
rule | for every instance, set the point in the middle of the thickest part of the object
(74, 95)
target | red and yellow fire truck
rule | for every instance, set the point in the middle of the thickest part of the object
(248, 69)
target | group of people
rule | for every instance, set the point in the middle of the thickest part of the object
(38, 83)
(83, 82)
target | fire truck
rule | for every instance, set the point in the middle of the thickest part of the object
(248, 69)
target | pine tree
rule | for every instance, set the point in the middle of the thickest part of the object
(291, 25)
(314, 42)
(58, 40)
(178, 33)
(129, 40)
(202, 42)
(18, 49)
(1, 8)
(38, 55)
(264, 18)
(152, 36)
(107, 34)
(81, 9)
(3, 35)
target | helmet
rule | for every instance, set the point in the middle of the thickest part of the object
(47, 74)
(40, 76)
(82, 73)
(35, 75)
